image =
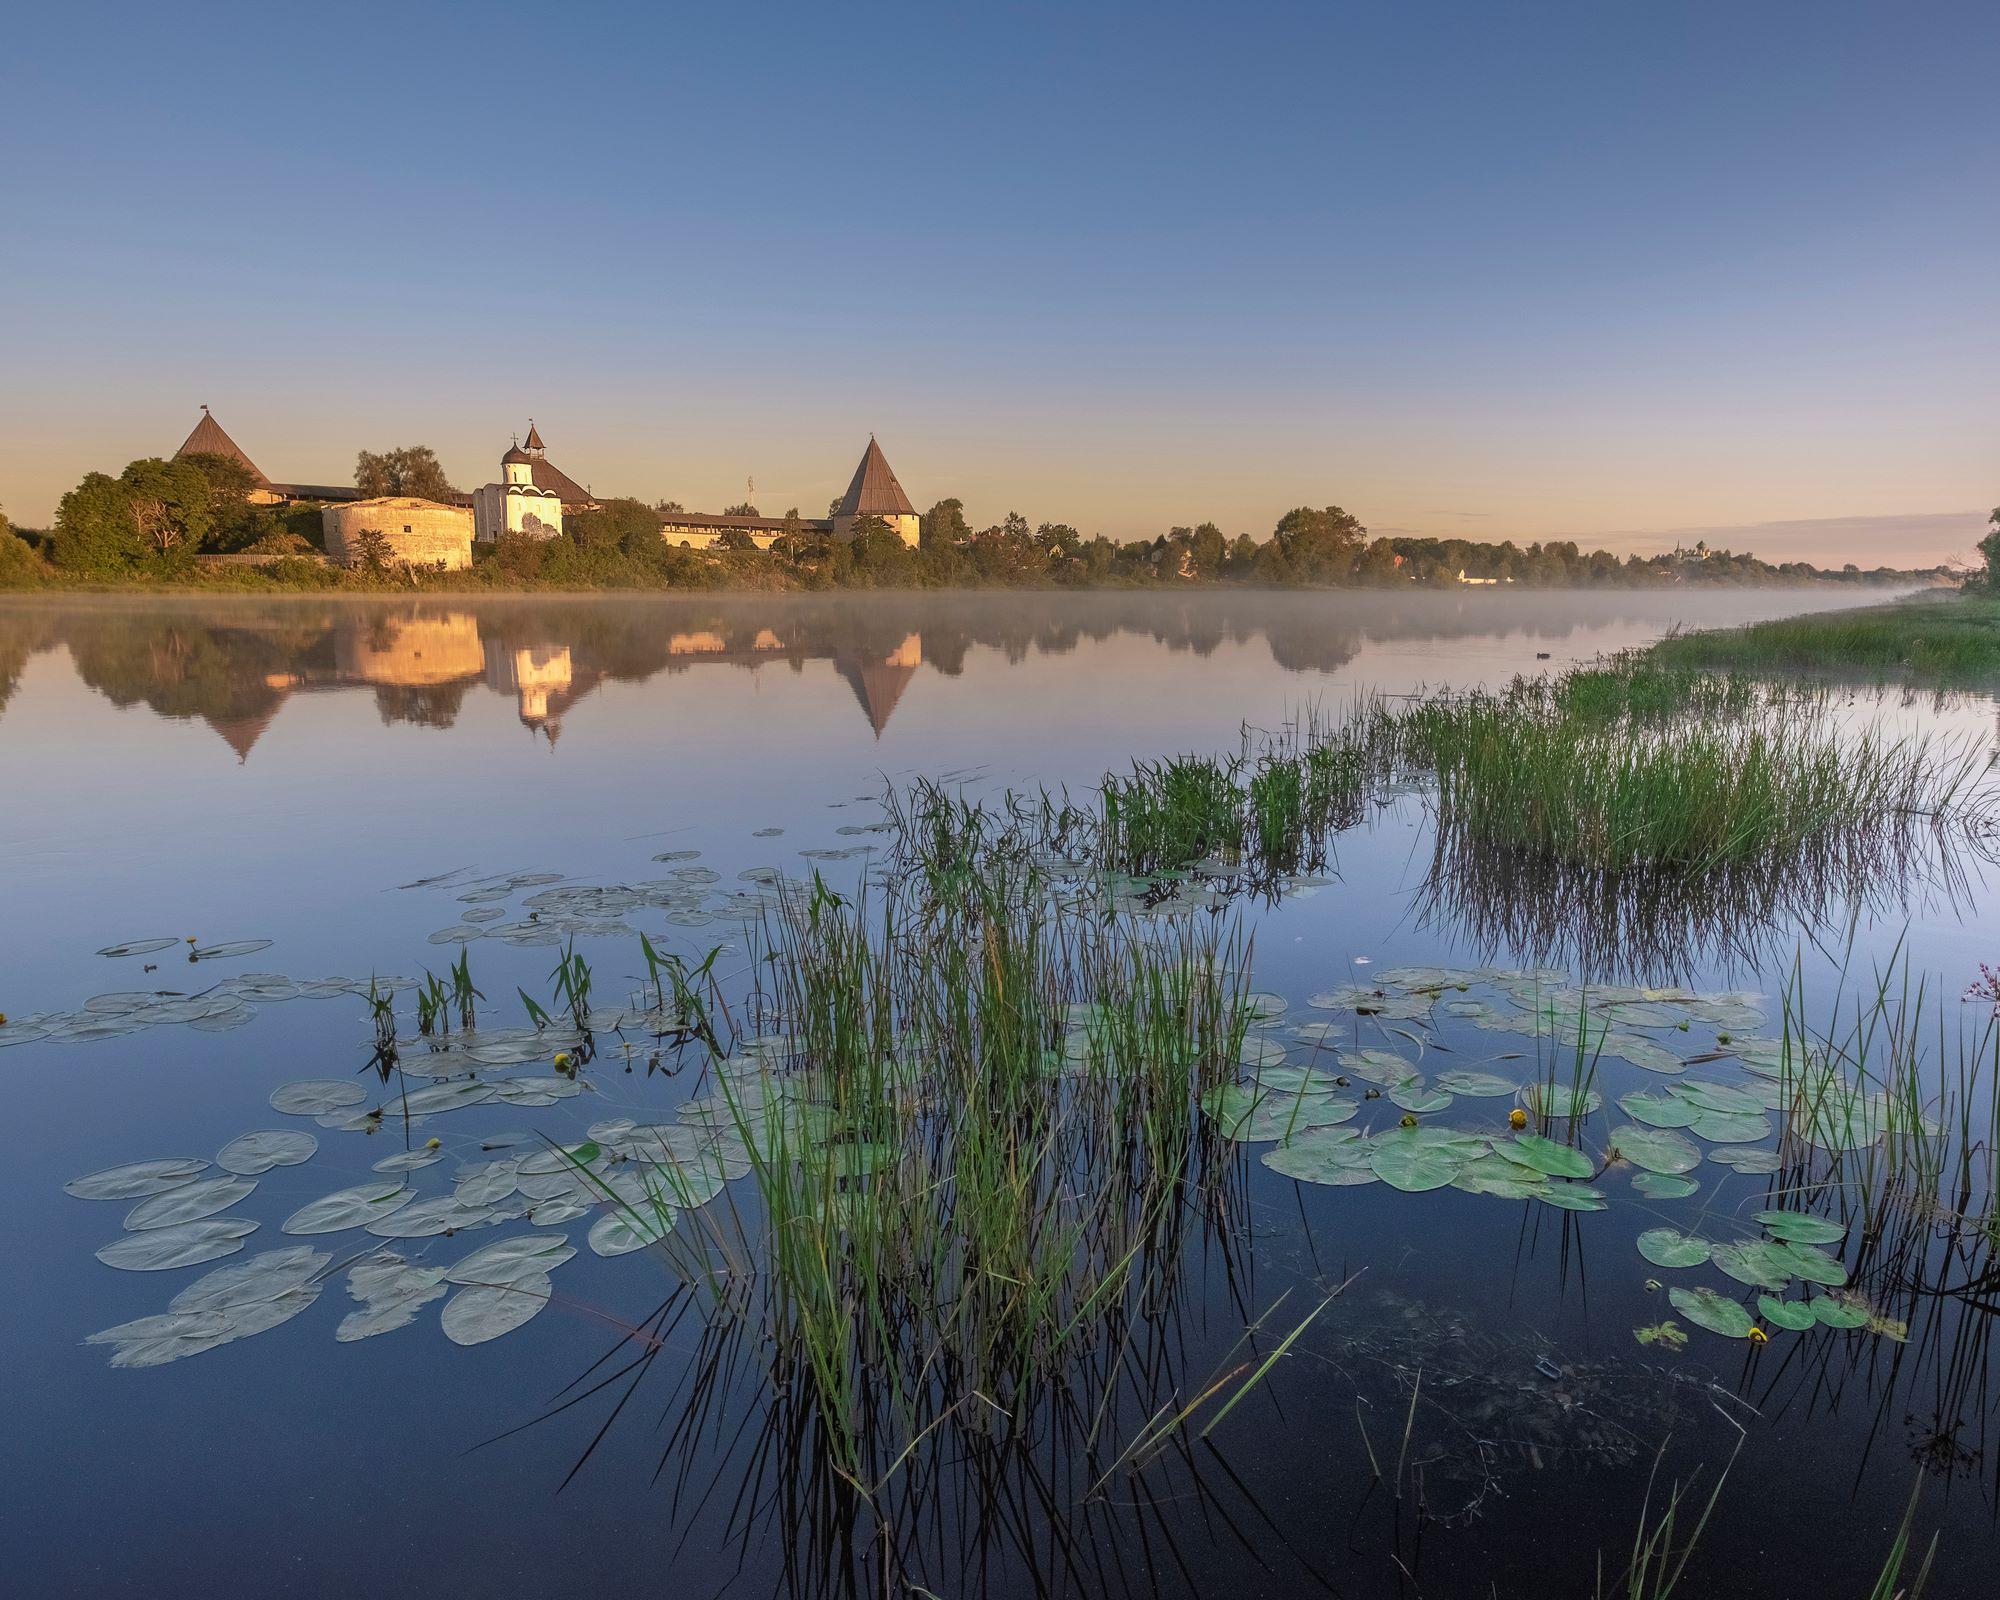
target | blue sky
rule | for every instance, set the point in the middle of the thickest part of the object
(1582, 271)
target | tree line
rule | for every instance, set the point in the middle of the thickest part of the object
(154, 519)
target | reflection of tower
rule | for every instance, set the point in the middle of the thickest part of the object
(409, 651)
(539, 677)
(879, 681)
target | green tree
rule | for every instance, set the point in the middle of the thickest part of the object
(746, 509)
(943, 525)
(411, 469)
(19, 566)
(617, 524)
(1989, 547)
(371, 550)
(94, 531)
(1319, 546)
(734, 539)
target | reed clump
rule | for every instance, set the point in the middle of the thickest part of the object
(1950, 640)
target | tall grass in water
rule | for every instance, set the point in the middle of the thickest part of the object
(971, 1147)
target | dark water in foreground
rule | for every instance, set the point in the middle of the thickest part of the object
(286, 772)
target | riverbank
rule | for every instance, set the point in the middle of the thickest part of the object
(1939, 636)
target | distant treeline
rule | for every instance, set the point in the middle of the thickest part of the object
(152, 523)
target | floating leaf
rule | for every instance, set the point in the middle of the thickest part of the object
(138, 947)
(1730, 1127)
(1756, 1262)
(230, 947)
(1378, 1066)
(1810, 1262)
(1718, 1097)
(1839, 1311)
(1572, 1197)
(527, 1255)
(1496, 1175)
(1655, 1149)
(188, 1202)
(1796, 1315)
(483, 1312)
(252, 1153)
(1745, 1158)
(264, 1276)
(1801, 1227)
(1418, 1159)
(135, 1179)
(1546, 1155)
(1659, 1110)
(1668, 1335)
(349, 1208)
(1707, 1309)
(1668, 1247)
(159, 1249)
(1338, 1156)
(426, 1219)
(620, 1232)
(408, 1160)
(316, 1097)
(1482, 1085)
(1641, 1053)
(1413, 1097)
(1560, 1100)
(1662, 1186)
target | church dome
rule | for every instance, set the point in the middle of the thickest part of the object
(517, 456)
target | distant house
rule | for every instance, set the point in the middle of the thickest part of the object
(209, 439)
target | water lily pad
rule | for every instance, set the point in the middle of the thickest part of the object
(1809, 1261)
(160, 1249)
(622, 1231)
(426, 1219)
(1718, 1097)
(188, 1202)
(1745, 1158)
(1482, 1085)
(1572, 1197)
(1377, 1066)
(1796, 1315)
(264, 1276)
(1413, 1097)
(1655, 1149)
(136, 1179)
(1663, 1186)
(138, 947)
(349, 1208)
(1496, 1175)
(1560, 1100)
(1668, 1247)
(1642, 1053)
(482, 1312)
(391, 1291)
(409, 1160)
(1418, 1159)
(1338, 1156)
(249, 1154)
(1839, 1311)
(1728, 1127)
(315, 1097)
(527, 1255)
(1755, 1262)
(1546, 1155)
(1707, 1309)
(230, 947)
(1659, 1110)
(1801, 1227)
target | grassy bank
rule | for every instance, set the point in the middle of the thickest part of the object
(1945, 639)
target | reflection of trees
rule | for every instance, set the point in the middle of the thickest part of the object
(234, 663)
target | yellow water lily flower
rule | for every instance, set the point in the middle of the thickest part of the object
(1759, 1336)
(563, 1059)
(1409, 1119)
(434, 1144)
(1517, 1119)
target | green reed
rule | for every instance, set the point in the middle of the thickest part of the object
(1955, 640)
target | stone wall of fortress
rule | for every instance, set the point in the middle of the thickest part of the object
(420, 533)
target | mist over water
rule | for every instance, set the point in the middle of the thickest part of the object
(223, 769)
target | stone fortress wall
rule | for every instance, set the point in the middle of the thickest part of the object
(420, 533)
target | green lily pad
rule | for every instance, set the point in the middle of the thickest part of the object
(315, 1097)
(161, 1249)
(1336, 1156)
(1668, 1247)
(1838, 1311)
(1250, 1114)
(349, 1208)
(511, 1260)
(1663, 1186)
(1707, 1309)
(1796, 1315)
(1546, 1155)
(1482, 1085)
(483, 1312)
(1572, 1197)
(1560, 1100)
(1642, 1053)
(1667, 1335)
(1810, 1262)
(1659, 1110)
(1655, 1149)
(1718, 1097)
(249, 1154)
(1801, 1227)
(1756, 1262)
(1413, 1097)
(1730, 1127)
(135, 1179)
(1377, 1066)
(1418, 1159)
(1745, 1158)
(188, 1202)
(1496, 1175)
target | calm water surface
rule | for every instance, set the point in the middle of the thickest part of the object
(223, 771)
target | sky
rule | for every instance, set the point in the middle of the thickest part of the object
(1618, 273)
